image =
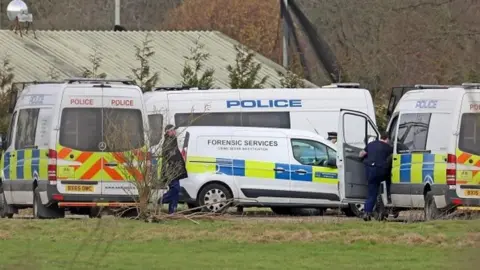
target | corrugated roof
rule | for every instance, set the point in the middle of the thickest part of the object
(68, 52)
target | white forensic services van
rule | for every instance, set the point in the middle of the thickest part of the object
(269, 167)
(64, 147)
(435, 131)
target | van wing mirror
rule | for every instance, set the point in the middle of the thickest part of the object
(331, 162)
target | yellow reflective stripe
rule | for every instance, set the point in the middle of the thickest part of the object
(200, 164)
(323, 171)
(440, 169)
(396, 168)
(27, 165)
(416, 170)
(260, 169)
(13, 165)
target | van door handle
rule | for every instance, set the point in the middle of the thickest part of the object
(279, 169)
(348, 150)
(301, 171)
(110, 164)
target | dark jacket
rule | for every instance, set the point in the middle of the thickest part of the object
(173, 165)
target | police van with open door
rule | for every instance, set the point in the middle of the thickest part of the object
(72, 145)
(310, 109)
(435, 131)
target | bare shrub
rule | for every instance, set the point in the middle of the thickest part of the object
(95, 60)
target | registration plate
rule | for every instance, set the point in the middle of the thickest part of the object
(79, 188)
(472, 192)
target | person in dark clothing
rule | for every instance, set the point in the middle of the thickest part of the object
(375, 157)
(332, 136)
(173, 169)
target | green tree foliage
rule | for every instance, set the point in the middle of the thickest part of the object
(193, 66)
(96, 60)
(290, 80)
(245, 73)
(142, 74)
(6, 80)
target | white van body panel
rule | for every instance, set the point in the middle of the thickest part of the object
(264, 157)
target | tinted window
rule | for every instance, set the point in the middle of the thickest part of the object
(155, 121)
(83, 129)
(469, 140)
(393, 129)
(10, 130)
(251, 119)
(123, 129)
(26, 128)
(309, 152)
(207, 119)
(413, 131)
(266, 119)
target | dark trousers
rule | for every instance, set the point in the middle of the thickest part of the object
(375, 176)
(172, 196)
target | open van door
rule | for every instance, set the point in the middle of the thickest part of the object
(355, 131)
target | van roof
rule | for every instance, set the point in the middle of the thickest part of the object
(223, 130)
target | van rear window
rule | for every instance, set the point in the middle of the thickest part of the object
(469, 140)
(84, 129)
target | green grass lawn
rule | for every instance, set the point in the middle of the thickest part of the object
(333, 244)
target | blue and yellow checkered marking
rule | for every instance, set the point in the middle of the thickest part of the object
(263, 170)
(25, 164)
(418, 168)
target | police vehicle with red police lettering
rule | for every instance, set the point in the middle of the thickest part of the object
(72, 145)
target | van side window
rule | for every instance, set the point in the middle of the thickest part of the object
(155, 122)
(469, 140)
(237, 119)
(308, 152)
(393, 129)
(10, 130)
(413, 132)
(26, 128)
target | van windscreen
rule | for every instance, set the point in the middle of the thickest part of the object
(469, 140)
(84, 129)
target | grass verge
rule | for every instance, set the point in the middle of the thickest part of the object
(126, 244)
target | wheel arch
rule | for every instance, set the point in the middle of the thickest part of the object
(214, 182)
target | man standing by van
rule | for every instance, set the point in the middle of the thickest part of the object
(173, 168)
(376, 155)
(332, 136)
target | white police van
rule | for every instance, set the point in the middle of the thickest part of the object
(284, 169)
(310, 109)
(68, 145)
(436, 160)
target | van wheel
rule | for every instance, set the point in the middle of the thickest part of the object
(4, 207)
(40, 211)
(215, 198)
(379, 210)
(430, 210)
(356, 209)
(282, 211)
(307, 211)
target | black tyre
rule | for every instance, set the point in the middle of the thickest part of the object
(281, 211)
(307, 211)
(379, 210)
(356, 209)
(349, 212)
(40, 211)
(4, 213)
(215, 198)
(430, 210)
